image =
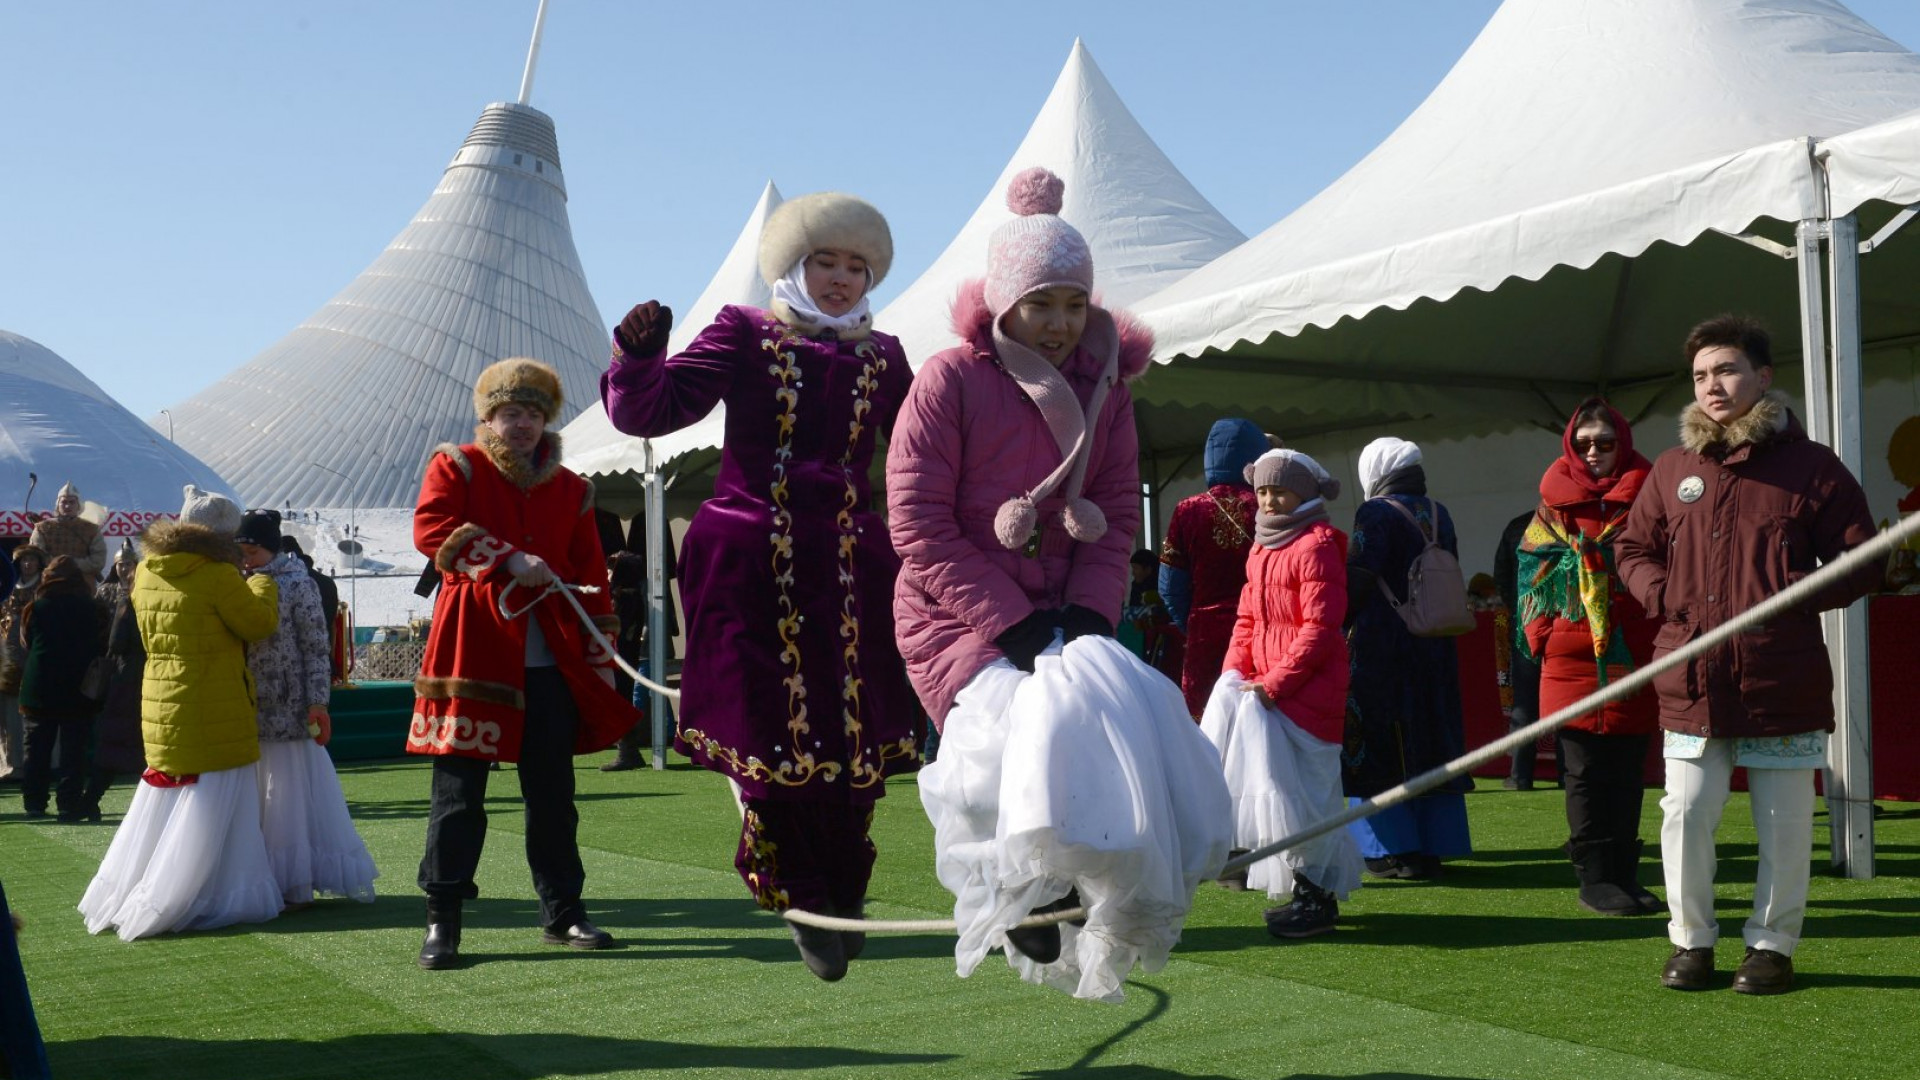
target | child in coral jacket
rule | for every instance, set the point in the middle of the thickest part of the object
(1276, 713)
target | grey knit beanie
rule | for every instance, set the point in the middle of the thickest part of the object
(1295, 472)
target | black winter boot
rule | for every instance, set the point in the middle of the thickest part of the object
(1041, 944)
(821, 950)
(1312, 912)
(1593, 865)
(626, 753)
(1626, 874)
(441, 949)
(852, 942)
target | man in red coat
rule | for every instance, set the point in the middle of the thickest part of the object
(1744, 507)
(528, 684)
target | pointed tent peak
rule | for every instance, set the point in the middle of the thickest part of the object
(514, 137)
(1145, 222)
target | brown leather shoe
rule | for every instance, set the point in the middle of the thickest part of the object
(1688, 969)
(1764, 971)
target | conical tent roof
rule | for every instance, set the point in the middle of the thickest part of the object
(1148, 227)
(1546, 221)
(57, 424)
(595, 448)
(344, 409)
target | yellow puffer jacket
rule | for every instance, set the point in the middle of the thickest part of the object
(196, 614)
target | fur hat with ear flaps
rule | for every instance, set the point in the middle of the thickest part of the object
(520, 381)
(825, 219)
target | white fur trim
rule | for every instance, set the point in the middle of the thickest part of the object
(825, 219)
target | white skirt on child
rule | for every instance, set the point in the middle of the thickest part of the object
(1282, 781)
(311, 842)
(185, 858)
(1088, 774)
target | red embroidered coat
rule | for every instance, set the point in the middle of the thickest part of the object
(478, 505)
(1210, 536)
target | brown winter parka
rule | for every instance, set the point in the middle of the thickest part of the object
(1727, 519)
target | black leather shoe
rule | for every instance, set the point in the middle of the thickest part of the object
(580, 935)
(1764, 971)
(441, 950)
(822, 950)
(1688, 969)
(621, 764)
(1041, 944)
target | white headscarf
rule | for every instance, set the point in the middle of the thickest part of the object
(1381, 457)
(792, 290)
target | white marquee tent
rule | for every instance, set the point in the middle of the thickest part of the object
(56, 424)
(1547, 223)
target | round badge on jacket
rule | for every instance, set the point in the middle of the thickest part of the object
(1691, 489)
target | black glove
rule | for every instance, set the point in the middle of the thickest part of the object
(644, 331)
(1078, 621)
(1028, 638)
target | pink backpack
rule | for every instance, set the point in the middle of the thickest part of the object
(1436, 603)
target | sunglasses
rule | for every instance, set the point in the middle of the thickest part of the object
(1605, 446)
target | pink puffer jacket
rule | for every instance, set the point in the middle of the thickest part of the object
(1288, 638)
(966, 441)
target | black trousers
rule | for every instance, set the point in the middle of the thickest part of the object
(1604, 784)
(42, 732)
(457, 821)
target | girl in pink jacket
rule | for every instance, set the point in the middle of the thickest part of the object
(1067, 775)
(1277, 712)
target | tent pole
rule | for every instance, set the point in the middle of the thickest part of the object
(657, 601)
(1849, 788)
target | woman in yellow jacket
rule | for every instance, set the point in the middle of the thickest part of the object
(190, 854)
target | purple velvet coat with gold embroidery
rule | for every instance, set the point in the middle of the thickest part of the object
(792, 684)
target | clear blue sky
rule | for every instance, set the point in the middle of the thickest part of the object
(181, 183)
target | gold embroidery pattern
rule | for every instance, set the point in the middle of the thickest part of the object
(1232, 525)
(762, 864)
(864, 774)
(803, 767)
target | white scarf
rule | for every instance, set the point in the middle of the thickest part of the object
(1383, 456)
(792, 291)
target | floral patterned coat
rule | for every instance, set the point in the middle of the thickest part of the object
(291, 669)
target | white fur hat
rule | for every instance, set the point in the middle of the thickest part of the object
(825, 219)
(209, 510)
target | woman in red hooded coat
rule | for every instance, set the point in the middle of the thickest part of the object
(1580, 623)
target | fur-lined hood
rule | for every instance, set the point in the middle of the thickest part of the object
(1769, 420)
(515, 468)
(172, 538)
(973, 322)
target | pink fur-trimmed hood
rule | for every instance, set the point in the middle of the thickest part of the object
(973, 322)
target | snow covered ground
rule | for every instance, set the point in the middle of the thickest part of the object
(379, 584)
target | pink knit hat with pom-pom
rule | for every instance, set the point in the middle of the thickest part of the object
(1036, 250)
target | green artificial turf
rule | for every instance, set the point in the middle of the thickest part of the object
(1491, 972)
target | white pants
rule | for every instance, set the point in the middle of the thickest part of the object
(1783, 819)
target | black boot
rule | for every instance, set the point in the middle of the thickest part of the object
(626, 753)
(1312, 912)
(1626, 874)
(441, 949)
(822, 950)
(853, 942)
(1041, 944)
(1593, 865)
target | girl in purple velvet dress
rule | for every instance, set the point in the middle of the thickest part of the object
(793, 686)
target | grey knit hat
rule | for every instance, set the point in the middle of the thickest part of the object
(1294, 471)
(210, 511)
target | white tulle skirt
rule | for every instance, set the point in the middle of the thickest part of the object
(311, 842)
(1282, 780)
(185, 858)
(1090, 775)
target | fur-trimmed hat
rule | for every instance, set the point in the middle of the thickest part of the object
(825, 219)
(518, 380)
(1037, 249)
(209, 510)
